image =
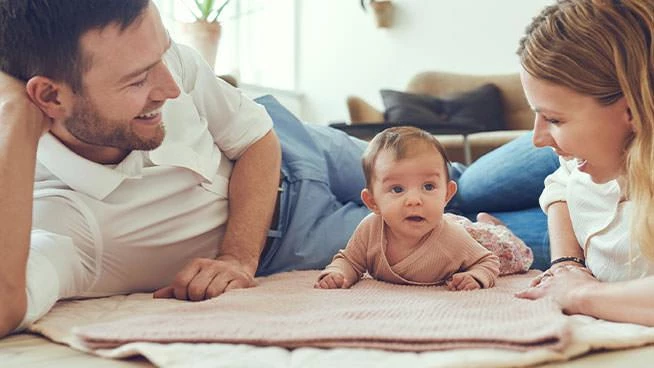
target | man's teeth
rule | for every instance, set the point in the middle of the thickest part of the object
(150, 115)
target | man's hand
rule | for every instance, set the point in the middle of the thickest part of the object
(462, 281)
(204, 278)
(333, 280)
(16, 106)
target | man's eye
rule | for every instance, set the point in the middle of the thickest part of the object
(397, 189)
(429, 187)
(140, 83)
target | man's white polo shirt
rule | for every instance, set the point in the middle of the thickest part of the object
(101, 230)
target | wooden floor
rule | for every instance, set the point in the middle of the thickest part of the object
(27, 351)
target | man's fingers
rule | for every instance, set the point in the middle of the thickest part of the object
(165, 292)
(238, 284)
(199, 286)
(228, 280)
(203, 279)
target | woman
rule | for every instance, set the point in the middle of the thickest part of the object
(588, 73)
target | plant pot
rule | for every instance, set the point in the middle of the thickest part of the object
(383, 11)
(202, 36)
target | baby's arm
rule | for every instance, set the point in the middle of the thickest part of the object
(462, 281)
(347, 266)
(484, 270)
(333, 280)
(476, 263)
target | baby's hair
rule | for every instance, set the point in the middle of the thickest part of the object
(402, 141)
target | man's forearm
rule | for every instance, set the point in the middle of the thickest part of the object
(18, 142)
(563, 242)
(252, 194)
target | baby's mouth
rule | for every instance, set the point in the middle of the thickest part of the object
(415, 218)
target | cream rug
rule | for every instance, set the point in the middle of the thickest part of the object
(481, 328)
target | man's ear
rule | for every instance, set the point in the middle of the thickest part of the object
(369, 200)
(451, 190)
(55, 99)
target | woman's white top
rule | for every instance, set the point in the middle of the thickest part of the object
(600, 217)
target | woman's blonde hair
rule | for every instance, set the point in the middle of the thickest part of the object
(605, 49)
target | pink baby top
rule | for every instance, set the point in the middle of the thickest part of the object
(445, 251)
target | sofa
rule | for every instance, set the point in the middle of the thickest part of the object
(518, 116)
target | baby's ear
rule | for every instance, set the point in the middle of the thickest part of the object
(451, 190)
(369, 200)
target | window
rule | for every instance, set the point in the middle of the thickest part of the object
(258, 39)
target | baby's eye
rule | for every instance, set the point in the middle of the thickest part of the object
(429, 187)
(397, 189)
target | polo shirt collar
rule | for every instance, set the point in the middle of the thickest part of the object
(83, 175)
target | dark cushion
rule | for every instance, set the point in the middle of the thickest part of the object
(482, 107)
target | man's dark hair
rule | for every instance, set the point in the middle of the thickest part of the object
(42, 37)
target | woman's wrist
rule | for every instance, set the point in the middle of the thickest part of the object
(568, 260)
(580, 300)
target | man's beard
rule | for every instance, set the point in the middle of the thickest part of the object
(88, 126)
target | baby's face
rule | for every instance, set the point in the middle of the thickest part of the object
(411, 193)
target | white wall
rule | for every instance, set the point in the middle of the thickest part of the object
(342, 53)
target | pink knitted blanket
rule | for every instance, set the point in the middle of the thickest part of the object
(284, 310)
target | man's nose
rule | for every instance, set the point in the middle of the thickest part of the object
(166, 87)
(542, 136)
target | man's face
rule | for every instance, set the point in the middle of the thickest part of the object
(88, 125)
(119, 106)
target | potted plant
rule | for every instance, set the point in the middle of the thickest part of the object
(204, 33)
(383, 10)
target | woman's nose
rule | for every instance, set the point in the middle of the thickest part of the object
(542, 137)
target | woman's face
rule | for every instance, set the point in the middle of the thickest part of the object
(577, 127)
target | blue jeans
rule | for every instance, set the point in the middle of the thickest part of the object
(507, 182)
(320, 205)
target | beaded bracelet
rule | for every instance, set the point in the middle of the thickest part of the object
(568, 259)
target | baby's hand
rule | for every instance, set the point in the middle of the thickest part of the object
(462, 281)
(334, 280)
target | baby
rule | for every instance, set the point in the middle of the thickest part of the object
(408, 239)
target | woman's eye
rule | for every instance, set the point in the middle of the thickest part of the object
(397, 189)
(551, 121)
(429, 187)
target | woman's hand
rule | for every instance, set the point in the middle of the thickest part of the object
(564, 283)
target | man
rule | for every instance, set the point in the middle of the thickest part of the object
(126, 166)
